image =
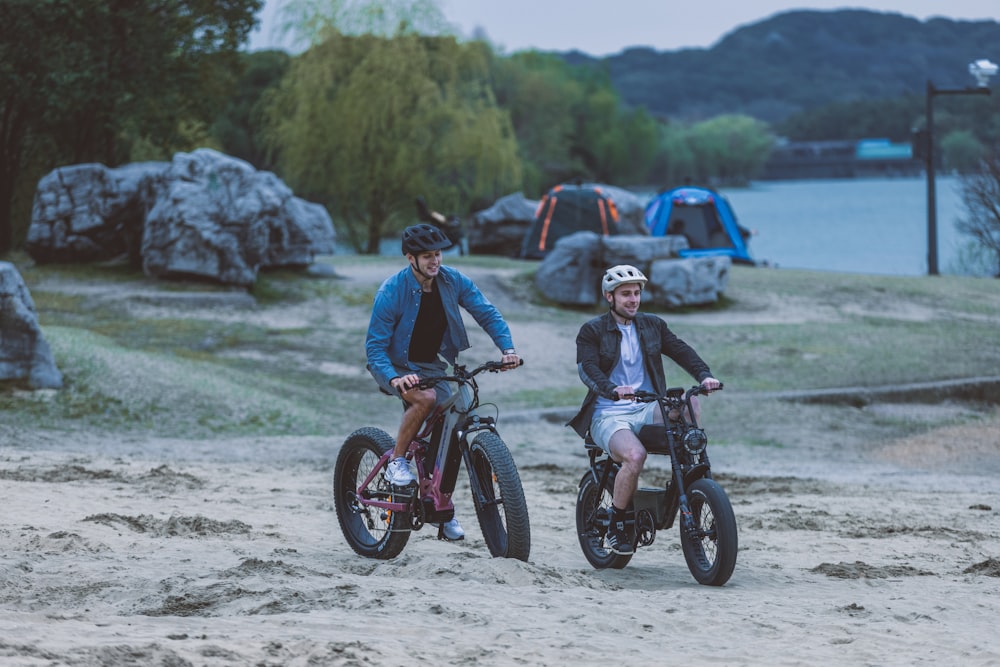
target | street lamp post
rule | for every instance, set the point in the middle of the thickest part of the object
(982, 70)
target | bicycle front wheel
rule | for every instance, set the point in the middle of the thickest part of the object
(710, 551)
(371, 531)
(498, 497)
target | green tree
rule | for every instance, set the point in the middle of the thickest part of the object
(539, 93)
(365, 124)
(87, 80)
(730, 150)
(571, 124)
(961, 151)
(240, 127)
(309, 21)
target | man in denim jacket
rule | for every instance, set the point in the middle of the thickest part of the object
(416, 330)
(618, 353)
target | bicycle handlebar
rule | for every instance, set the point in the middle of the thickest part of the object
(641, 396)
(462, 375)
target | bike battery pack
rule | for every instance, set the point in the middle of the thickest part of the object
(653, 500)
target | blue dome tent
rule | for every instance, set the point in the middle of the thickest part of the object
(704, 217)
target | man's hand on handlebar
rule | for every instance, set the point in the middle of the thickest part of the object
(510, 361)
(623, 394)
(711, 384)
(405, 383)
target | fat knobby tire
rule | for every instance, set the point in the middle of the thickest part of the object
(712, 558)
(501, 508)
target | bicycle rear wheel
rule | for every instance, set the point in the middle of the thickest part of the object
(592, 505)
(711, 551)
(371, 531)
(498, 497)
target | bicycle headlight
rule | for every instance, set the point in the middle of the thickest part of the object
(695, 441)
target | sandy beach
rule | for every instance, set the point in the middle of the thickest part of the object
(136, 549)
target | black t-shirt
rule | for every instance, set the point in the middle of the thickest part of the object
(428, 330)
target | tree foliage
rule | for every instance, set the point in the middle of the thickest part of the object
(309, 21)
(367, 123)
(729, 149)
(571, 124)
(981, 198)
(89, 80)
(240, 128)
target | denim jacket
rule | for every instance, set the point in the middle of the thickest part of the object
(598, 349)
(394, 313)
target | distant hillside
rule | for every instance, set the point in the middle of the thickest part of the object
(801, 60)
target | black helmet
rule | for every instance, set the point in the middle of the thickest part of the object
(423, 238)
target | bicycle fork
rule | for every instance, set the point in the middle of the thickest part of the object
(480, 498)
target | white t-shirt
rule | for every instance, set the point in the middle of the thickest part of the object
(628, 373)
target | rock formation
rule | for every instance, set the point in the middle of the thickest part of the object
(204, 215)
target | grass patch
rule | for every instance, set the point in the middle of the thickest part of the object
(294, 363)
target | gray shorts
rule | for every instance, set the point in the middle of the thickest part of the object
(602, 427)
(424, 370)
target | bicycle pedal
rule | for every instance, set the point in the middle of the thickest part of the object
(407, 488)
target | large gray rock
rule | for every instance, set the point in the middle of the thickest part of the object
(500, 229)
(692, 281)
(24, 353)
(203, 215)
(571, 273)
(641, 250)
(88, 212)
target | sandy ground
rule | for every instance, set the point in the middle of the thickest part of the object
(150, 551)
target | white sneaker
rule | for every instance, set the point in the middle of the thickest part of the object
(453, 530)
(397, 472)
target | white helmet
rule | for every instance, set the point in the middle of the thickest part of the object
(621, 274)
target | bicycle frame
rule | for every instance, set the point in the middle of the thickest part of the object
(437, 450)
(686, 466)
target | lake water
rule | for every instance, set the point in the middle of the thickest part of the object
(851, 225)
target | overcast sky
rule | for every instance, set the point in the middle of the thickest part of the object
(605, 28)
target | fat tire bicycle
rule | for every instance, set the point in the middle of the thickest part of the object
(377, 518)
(707, 522)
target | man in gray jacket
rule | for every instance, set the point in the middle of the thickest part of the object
(617, 354)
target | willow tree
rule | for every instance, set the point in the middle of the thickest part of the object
(307, 22)
(366, 123)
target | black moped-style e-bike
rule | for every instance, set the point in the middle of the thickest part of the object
(707, 522)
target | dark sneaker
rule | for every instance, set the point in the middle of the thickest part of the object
(618, 540)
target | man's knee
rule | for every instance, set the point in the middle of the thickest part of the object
(627, 448)
(637, 455)
(422, 401)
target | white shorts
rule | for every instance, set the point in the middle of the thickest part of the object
(602, 427)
